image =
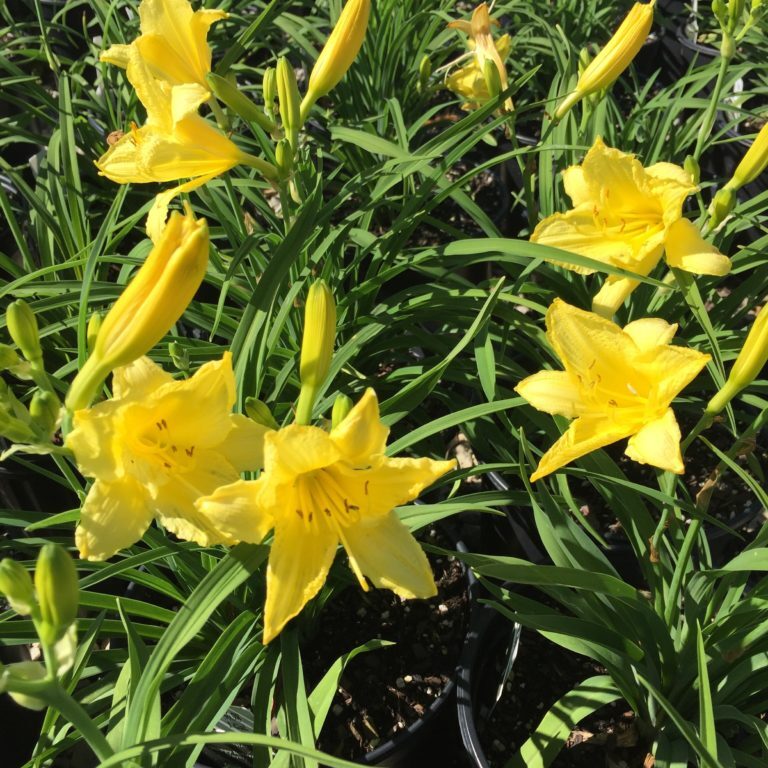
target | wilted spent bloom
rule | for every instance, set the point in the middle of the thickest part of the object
(627, 216)
(338, 53)
(751, 360)
(614, 58)
(754, 162)
(319, 489)
(617, 383)
(151, 303)
(473, 81)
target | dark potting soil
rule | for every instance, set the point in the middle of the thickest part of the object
(541, 674)
(384, 691)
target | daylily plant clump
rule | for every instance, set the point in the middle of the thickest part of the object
(251, 407)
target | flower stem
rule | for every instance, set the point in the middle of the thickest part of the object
(708, 121)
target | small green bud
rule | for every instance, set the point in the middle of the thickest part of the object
(58, 590)
(16, 585)
(425, 72)
(342, 405)
(28, 671)
(179, 356)
(13, 428)
(238, 102)
(44, 410)
(492, 78)
(290, 101)
(258, 411)
(22, 325)
(721, 206)
(8, 358)
(691, 166)
(284, 158)
(269, 89)
(92, 332)
(585, 57)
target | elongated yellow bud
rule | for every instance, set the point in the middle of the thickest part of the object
(749, 363)
(58, 591)
(338, 53)
(152, 302)
(316, 346)
(614, 58)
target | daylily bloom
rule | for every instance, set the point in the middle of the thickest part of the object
(627, 216)
(338, 53)
(614, 58)
(151, 303)
(174, 143)
(154, 449)
(319, 488)
(747, 366)
(616, 384)
(173, 41)
(470, 81)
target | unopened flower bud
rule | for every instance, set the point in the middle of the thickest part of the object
(27, 671)
(44, 410)
(691, 167)
(258, 411)
(425, 72)
(284, 158)
(151, 303)
(228, 93)
(22, 325)
(342, 405)
(179, 356)
(290, 101)
(614, 58)
(16, 585)
(749, 363)
(269, 90)
(13, 428)
(722, 204)
(338, 53)
(58, 591)
(8, 358)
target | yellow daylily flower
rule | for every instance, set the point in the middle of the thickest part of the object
(614, 58)
(174, 143)
(154, 449)
(616, 384)
(470, 81)
(150, 304)
(627, 216)
(319, 488)
(173, 41)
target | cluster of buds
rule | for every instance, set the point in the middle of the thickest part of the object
(33, 424)
(51, 601)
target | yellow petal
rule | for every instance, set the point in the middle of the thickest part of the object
(576, 231)
(234, 510)
(174, 501)
(243, 447)
(658, 444)
(117, 55)
(469, 83)
(114, 516)
(186, 100)
(584, 435)
(389, 483)
(94, 442)
(383, 550)
(671, 184)
(555, 392)
(686, 249)
(650, 332)
(361, 434)
(672, 369)
(138, 379)
(576, 186)
(615, 289)
(297, 449)
(120, 163)
(158, 213)
(298, 567)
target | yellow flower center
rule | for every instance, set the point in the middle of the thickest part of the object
(157, 445)
(322, 498)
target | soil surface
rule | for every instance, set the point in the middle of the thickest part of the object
(382, 692)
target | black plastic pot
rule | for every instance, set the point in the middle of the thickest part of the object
(490, 633)
(679, 52)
